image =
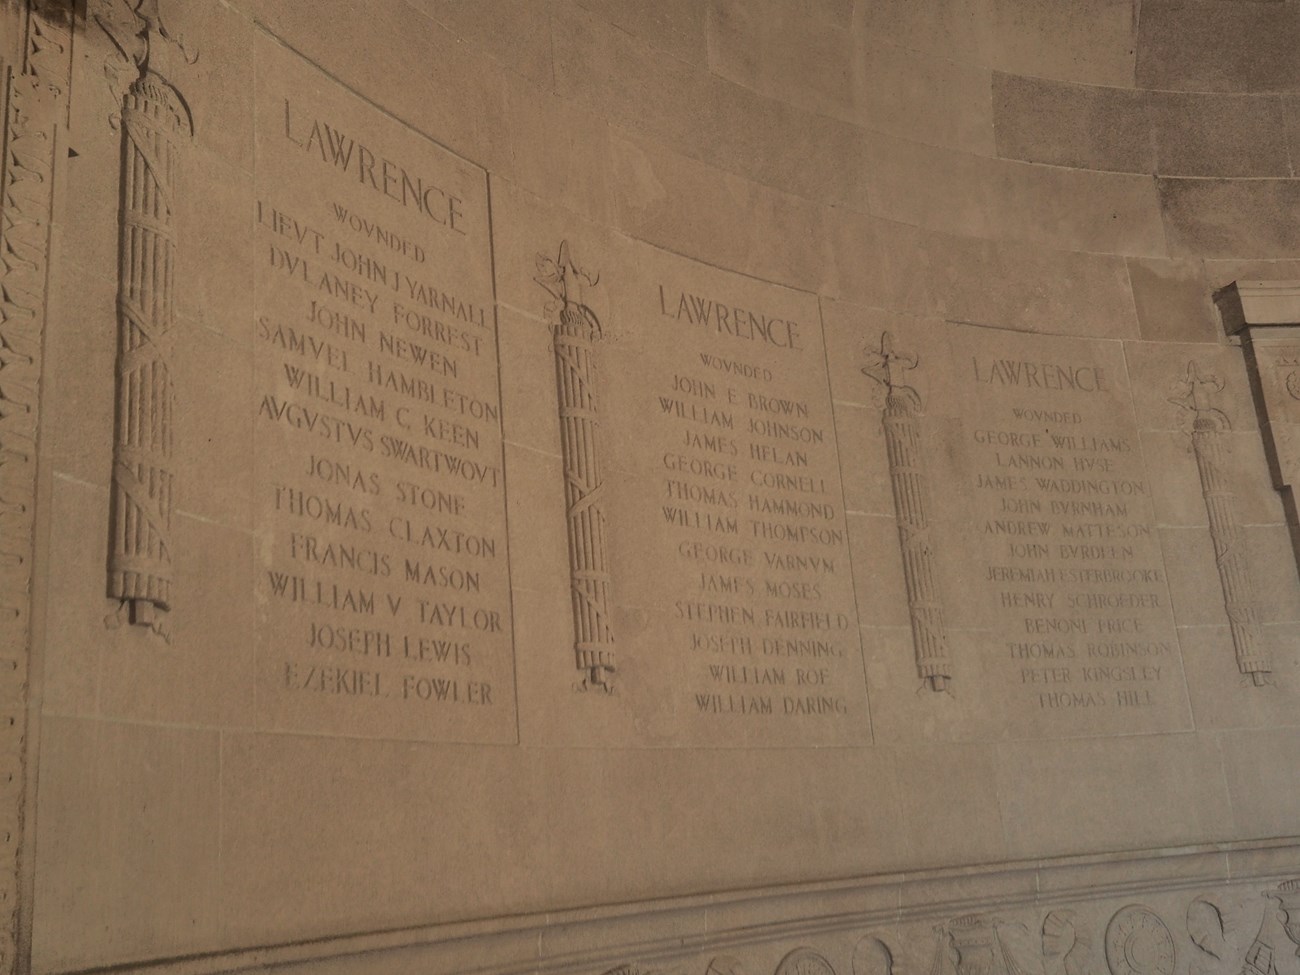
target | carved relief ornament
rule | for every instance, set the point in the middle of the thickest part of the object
(34, 99)
(907, 473)
(155, 127)
(576, 330)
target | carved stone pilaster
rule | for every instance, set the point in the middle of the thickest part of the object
(1265, 315)
(911, 503)
(576, 332)
(35, 112)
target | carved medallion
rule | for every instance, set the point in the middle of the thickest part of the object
(1138, 943)
(1293, 384)
(804, 961)
(871, 956)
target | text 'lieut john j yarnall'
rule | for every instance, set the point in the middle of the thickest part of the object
(381, 499)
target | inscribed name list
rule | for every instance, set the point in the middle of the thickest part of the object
(383, 583)
(730, 499)
(1062, 555)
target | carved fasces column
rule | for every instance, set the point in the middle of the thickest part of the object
(911, 504)
(1230, 555)
(155, 126)
(575, 334)
(34, 96)
(1138, 942)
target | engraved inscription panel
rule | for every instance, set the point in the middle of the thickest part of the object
(382, 582)
(1050, 504)
(726, 509)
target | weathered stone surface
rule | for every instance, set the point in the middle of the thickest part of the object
(948, 832)
(1216, 218)
(1291, 119)
(927, 99)
(1088, 127)
(782, 51)
(953, 29)
(1172, 300)
(1219, 135)
(452, 94)
(685, 205)
(1091, 41)
(706, 117)
(517, 34)
(128, 803)
(1186, 771)
(1004, 284)
(675, 27)
(1205, 45)
(561, 152)
(1169, 133)
(1251, 791)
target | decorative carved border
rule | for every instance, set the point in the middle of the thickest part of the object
(35, 110)
(703, 935)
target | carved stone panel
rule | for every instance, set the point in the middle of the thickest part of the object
(1049, 545)
(382, 575)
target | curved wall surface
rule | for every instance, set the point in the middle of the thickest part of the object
(874, 436)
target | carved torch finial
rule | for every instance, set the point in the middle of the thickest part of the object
(888, 366)
(567, 282)
(1198, 392)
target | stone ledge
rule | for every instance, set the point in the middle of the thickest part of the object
(681, 934)
(1246, 303)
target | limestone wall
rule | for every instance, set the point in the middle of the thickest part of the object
(990, 183)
